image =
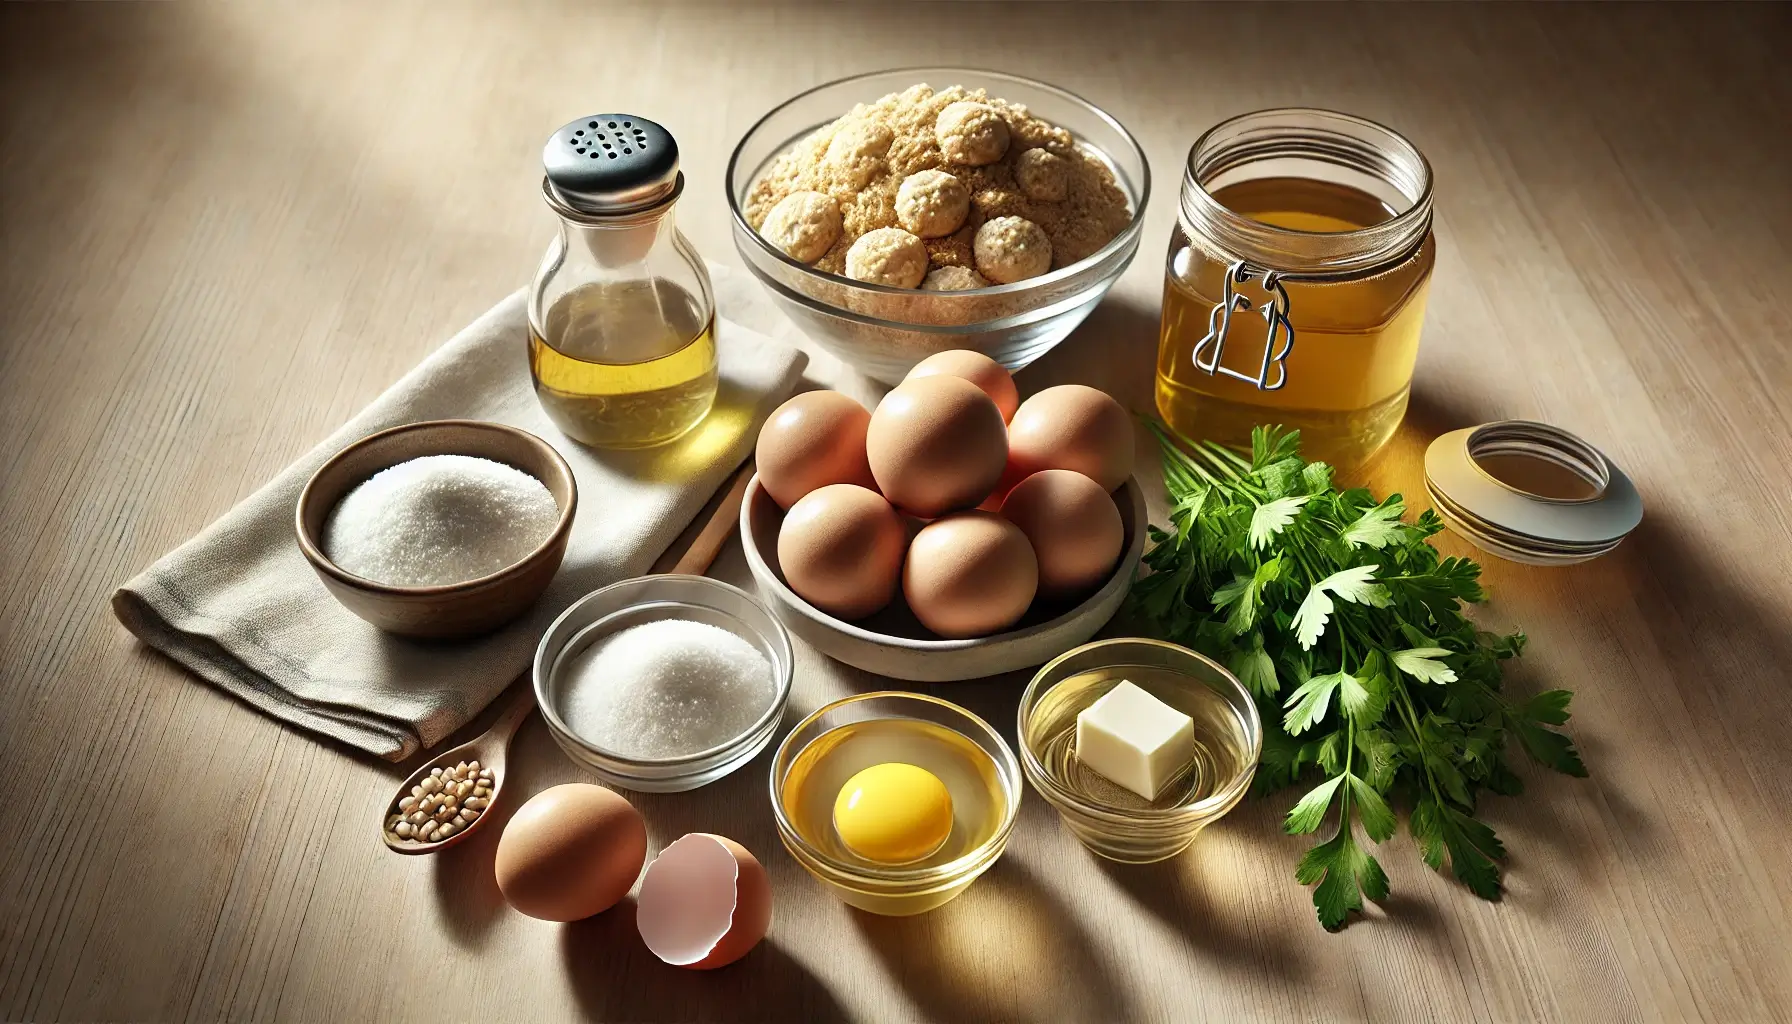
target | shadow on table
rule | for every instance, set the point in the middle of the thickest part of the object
(1115, 350)
(1190, 894)
(614, 977)
(1000, 940)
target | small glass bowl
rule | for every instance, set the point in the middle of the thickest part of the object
(1141, 835)
(651, 599)
(896, 891)
(883, 332)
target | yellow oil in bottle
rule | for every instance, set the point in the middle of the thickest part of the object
(625, 365)
(1355, 340)
(979, 798)
(1222, 747)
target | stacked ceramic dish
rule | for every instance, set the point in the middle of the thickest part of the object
(1530, 492)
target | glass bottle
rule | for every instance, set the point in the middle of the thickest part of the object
(621, 316)
(1296, 282)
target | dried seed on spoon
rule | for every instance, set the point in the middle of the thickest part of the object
(446, 802)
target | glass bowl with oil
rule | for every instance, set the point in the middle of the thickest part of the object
(1113, 821)
(832, 749)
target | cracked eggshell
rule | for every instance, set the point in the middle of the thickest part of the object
(705, 902)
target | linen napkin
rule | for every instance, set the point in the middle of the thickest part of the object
(239, 605)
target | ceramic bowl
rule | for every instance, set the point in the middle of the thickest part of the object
(883, 332)
(893, 643)
(456, 609)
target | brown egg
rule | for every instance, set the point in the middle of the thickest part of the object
(841, 549)
(571, 851)
(936, 444)
(705, 902)
(815, 439)
(969, 575)
(990, 376)
(1074, 427)
(1074, 528)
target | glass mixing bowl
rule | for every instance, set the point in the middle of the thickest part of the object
(896, 891)
(644, 599)
(1131, 835)
(883, 332)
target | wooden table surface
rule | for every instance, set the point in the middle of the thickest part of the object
(226, 228)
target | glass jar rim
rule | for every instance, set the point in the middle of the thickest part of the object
(1352, 144)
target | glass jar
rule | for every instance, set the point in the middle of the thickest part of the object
(621, 316)
(1296, 282)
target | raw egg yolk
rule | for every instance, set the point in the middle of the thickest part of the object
(893, 813)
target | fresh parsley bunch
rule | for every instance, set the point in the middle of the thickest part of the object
(1347, 627)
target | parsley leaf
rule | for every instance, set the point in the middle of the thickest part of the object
(1421, 663)
(1354, 584)
(1272, 517)
(1378, 527)
(1396, 704)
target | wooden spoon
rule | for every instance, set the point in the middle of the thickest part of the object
(489, 749)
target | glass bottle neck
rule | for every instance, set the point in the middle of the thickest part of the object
(619, 243)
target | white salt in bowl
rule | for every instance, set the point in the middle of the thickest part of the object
(604, 613)
(449, 611)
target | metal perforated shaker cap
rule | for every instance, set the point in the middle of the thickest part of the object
(611, 163)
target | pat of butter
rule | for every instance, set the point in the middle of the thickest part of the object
(1135, 740)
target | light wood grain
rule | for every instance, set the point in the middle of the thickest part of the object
(225, 228)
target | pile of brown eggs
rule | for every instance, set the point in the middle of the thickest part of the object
(969, 501)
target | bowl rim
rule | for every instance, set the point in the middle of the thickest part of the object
(1128, 236)
(767, 577)
(313, 548)
(1058, 796)
(782, 682)
(1008, 765)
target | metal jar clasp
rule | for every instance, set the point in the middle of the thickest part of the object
(1277, 343)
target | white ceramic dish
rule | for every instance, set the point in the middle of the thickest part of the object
(892, 643)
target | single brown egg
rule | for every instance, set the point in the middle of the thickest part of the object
(936, 444)
(705, 902)
(815, 439)
(970, 574)
(1074, 528)
(841, 550)
(569, 852)
(990, 376)
(1072, 426)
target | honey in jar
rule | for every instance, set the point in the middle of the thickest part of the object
(1296, 283)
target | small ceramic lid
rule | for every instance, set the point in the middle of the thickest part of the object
(1530, 492)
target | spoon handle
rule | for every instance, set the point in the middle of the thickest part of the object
(521, 703)
(723, 520)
